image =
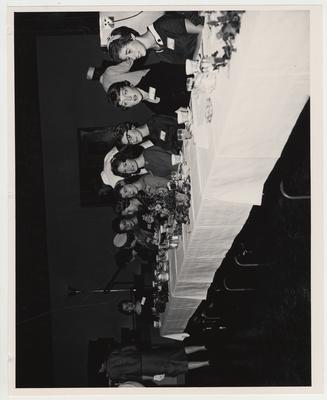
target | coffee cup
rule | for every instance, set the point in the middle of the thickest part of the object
(183, 115)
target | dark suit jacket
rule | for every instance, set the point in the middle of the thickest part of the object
(146, 314)
(169, 80)
(163, 132)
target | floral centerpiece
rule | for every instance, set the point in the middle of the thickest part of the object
(225, 25)
(171, 208)
(181, 184)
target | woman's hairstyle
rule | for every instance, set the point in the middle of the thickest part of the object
(118, 186)
(128, 180)
(116, 224)
(106, 195)
(124, 35)
(113, 93)
(121, 309)
(115, 163)
(129, 152)
(121, 205)
(94, 73)
(120, 129)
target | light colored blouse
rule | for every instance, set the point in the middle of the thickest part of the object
(121, 72)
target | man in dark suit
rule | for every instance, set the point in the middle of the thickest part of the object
(163, 90)
(142, 307)
(160, 129)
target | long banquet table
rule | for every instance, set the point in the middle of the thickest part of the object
(256, 100)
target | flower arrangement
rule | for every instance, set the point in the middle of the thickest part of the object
(226, 26)
(180, 188)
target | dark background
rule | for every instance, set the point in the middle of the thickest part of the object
(60, 243)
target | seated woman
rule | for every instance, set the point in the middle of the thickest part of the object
(111, 72)
(131, 363)
(136, 222)
(144, 230)
(162, 89)
(154, 159)
(120, 224)
(152, 191)
(129, 207)
(171, 39)
(160, 203)
(150, 185)
(160, 129)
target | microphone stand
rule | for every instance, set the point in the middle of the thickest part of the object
(107, 289)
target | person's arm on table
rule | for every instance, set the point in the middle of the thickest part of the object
(122, 67)
(191, 28)
(195, 29)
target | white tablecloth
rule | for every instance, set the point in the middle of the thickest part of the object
(256, 100)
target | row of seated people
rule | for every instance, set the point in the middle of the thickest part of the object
(144, 202)
(140, 172)
(147, 68)
(150, 67)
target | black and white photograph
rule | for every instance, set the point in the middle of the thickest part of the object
(163, 230)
